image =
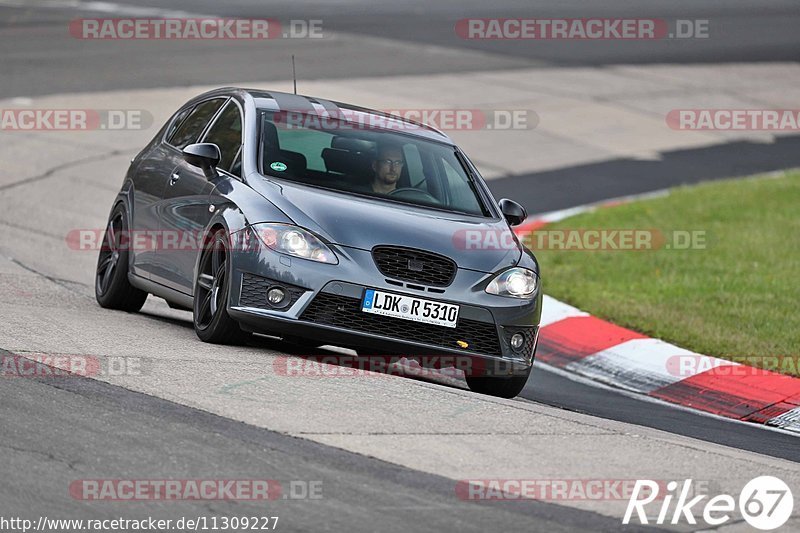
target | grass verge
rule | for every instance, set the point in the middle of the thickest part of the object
(733, 293)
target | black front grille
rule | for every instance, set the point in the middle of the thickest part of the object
(254, 292)
(345, 312)
(418, 266)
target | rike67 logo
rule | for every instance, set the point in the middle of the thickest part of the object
(765, 503)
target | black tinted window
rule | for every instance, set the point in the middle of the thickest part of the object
(188, 132)
(177, 120)
(226, 133)
(236, 167)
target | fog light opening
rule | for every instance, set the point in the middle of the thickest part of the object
(276, 296)
(517, 340)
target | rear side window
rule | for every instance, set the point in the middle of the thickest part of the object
(308, 142)
(226, 133)
(191, 128)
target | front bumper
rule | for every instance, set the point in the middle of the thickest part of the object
(325, 305)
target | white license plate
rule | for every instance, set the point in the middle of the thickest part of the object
(410, 308)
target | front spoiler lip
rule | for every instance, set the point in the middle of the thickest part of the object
(260, 321)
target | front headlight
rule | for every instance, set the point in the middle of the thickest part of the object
(294, 240)
(517, 282)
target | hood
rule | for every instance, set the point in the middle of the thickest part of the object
(474, 243)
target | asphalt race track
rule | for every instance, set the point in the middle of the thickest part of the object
(387, 450)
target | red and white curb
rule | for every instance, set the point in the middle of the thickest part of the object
(586, 346)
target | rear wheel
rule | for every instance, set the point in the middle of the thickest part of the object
(212, 323)
(111, 286)
(500, 387)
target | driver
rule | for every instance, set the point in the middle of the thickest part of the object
(388, 165)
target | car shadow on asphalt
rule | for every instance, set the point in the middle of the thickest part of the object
(322, 361)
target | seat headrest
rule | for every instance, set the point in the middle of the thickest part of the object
(340, 161)
(353, 145)
(353, 164)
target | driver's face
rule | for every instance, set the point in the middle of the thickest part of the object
(389, 165)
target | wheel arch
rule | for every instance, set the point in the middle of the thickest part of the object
(125, 198)
(225, 220)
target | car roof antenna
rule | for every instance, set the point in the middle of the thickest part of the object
(294, 75)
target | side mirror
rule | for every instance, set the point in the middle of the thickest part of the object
(203, 155)
(514, 213)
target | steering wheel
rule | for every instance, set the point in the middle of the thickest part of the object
(412, 193)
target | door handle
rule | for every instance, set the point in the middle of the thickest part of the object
(174, 178)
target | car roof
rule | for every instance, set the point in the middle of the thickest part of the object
(288, 102)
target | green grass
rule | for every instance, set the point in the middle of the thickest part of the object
(738, 297)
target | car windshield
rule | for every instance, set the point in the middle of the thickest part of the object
(351, 157)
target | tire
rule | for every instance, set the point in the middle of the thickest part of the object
(500, 387)
(212, 323)
(111, 286)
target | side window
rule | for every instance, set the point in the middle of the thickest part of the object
(191, 128)
(308, 142)
(177, 120)
(236, 167)
(226, 132)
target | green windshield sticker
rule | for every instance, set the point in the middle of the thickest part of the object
(277, 166)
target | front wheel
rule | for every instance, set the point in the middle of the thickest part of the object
(500, 387)
(111, 286)
(212, 323)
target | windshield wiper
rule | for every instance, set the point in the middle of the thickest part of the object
(471, 182)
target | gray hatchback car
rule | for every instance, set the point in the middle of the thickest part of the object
(325, 223)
